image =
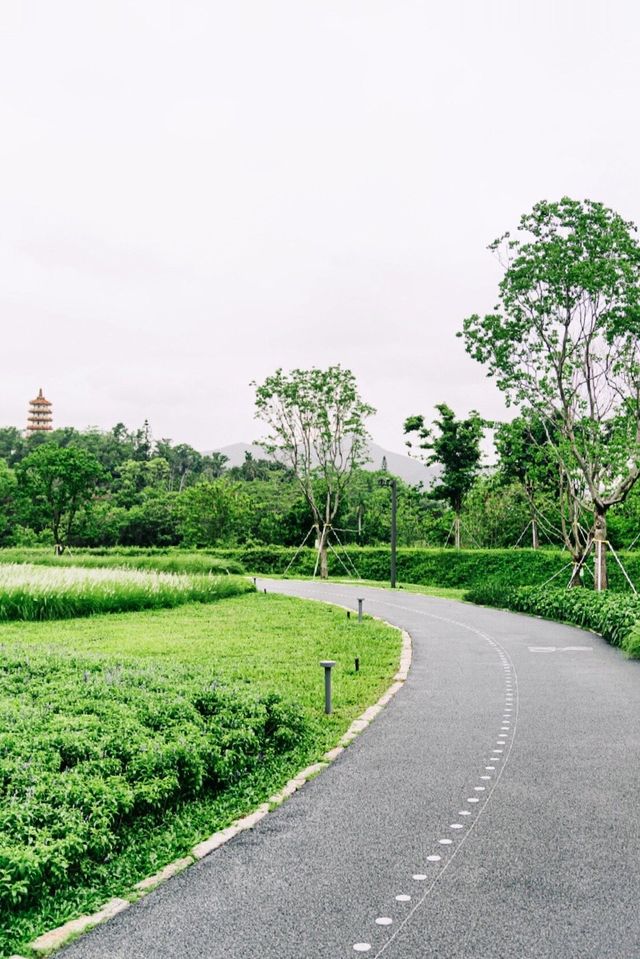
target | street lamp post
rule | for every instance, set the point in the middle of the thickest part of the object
(394, 530)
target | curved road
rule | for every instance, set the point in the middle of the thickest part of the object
(491, 810)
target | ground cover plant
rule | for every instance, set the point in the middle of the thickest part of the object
(38, 592)
(614, 616)
(126, 739)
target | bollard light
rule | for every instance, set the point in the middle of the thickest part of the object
(348, 614)
(360, 602)
(254, 581)
(328, 665)
(357, 664)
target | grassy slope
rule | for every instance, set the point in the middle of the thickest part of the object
(274, 643)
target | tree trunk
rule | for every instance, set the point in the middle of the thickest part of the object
(577, 573)
(600, 546)
(456, 531)
(323, 552)
(535, 541)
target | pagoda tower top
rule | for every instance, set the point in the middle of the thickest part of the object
(40, 417)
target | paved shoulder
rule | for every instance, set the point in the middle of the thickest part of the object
(490, 811)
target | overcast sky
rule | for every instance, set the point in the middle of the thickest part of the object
(195, 193)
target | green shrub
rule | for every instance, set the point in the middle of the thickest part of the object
(88, 747)
(614, 616)
(464, 568)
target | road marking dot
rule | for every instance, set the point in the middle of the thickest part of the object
(473, 799)
(434, 858)
(499, 750)
(479, 789)
(456, 825)
(362, 946)
(464, 812)
(419, 877)
(403, 898)
(485, 777)
(383, 921)
(445, 842)
(489, 767)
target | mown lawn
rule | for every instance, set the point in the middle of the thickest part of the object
(256, 645)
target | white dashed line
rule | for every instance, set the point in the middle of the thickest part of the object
(502, 741)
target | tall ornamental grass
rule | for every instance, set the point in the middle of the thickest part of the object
(29, 592)
(162, 561)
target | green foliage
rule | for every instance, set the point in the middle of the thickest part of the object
(58, 481)
(7, 500)
(39, 592)
(495, 514)
(615, 617)
(318, 432)
(455, 447)
(187, 719)
(212, 512)
(463, 568)
(88, 746)
(563, 342)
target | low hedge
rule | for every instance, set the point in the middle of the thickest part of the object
(615, 616)
(464, 568)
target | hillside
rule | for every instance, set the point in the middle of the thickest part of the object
(408, 469)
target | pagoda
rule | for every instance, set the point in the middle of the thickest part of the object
(40, 415)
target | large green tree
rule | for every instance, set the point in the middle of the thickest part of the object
(58, 482)
(212, 513)
(564, 341)
(317, 422)
(453, 445)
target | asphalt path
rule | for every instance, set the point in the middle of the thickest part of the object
(491, 810)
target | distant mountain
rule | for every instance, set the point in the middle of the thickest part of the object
(410, 470)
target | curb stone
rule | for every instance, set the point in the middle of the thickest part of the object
(55, 938)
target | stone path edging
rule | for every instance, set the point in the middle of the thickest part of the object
(55, 938)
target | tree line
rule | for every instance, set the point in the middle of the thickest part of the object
(563, 345)
(123, 488)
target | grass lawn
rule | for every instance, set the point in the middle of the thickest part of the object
(257, 643)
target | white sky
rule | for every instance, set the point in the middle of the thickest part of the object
(194, 193)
